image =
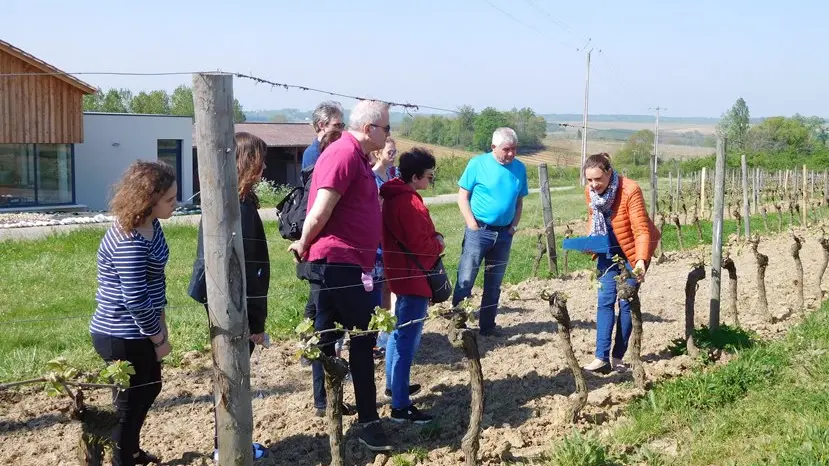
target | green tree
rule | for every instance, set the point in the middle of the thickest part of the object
(93, 102)
(465, 126)
(734, 125)
(181, 102)
(486, 123)
(153, 103)
(780, 134)
(116, 101)
(637, 149)
(238, 112)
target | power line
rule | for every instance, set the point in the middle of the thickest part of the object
(406, 105)
(553, 20)
(507, 14)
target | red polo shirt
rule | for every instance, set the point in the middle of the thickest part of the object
(353, 232)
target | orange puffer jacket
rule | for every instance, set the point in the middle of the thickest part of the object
(635, 231)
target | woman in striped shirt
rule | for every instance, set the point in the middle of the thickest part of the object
(129, 321)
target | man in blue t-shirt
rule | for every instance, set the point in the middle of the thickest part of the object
(328, 116)
(491, 198)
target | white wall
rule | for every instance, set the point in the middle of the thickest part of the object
(112, 141)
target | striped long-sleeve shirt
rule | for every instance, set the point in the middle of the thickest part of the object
(131, 283)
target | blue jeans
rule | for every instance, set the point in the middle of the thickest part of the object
(605, 314)
(491, 247)
(401, 348)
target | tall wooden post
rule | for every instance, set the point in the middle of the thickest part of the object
(804, 202)
(547, 208)
(654, 194)
(702, 200)
(716, 236)
(746, 212)
(224, 265)
(755, 190)
(671, 191)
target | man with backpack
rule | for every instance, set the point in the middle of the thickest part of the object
(327, 120)
(339, 243)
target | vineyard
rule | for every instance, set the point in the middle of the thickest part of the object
(527, 384)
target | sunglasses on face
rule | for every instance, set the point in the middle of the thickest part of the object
(386, 129)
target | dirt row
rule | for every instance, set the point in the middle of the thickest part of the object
(526, 380)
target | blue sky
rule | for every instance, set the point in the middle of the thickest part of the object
(695, 58)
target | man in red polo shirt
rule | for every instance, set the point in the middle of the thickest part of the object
(339, 241)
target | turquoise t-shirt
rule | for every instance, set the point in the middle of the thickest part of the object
(495, 188)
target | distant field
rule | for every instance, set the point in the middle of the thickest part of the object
(705, 129)
(560, 152)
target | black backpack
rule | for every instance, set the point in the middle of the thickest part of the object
(291, 210)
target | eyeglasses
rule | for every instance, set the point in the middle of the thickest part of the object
(386, 129)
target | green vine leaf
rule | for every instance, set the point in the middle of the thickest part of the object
(382, 320)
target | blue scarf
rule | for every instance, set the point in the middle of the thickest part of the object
(601, 205)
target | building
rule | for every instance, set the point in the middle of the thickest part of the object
(286, 143)
(53, 156)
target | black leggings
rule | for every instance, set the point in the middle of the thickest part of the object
(132, 404)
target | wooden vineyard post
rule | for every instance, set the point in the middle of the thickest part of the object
(797, 245)
(728, 264)
(716, 237)
(804, 202)
(824, 243)
(702, 200)
(762, 263)
(465, 339)
(224, 265)
(626, 291)
(549, 227)
(336, 369)
(696, 274)
(746, 211)
(558, 308)
(670, 191)
(755, 190)
(568, 232)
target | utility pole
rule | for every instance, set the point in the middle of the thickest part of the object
(584, 122)
(654, 164)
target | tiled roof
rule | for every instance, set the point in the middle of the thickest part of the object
(276, 134)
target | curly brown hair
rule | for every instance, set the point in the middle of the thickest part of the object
(250, 158)
(139, 190)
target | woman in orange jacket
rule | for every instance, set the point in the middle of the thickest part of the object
(617, 210)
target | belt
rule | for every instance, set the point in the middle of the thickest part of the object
(486, 226)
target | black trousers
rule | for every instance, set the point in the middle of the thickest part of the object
(339, 296)
(132, 404)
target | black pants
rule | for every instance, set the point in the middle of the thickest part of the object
(132, 404)
(317, 371)
(339, 296)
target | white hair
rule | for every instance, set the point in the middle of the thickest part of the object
(502, 135)
(324, 112)
(366, 112)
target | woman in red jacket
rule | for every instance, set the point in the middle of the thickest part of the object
(410, 245)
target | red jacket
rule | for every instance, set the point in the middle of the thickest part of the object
(406, 219)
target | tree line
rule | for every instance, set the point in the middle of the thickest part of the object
(157, 102)
(775, 143)
(473, 131)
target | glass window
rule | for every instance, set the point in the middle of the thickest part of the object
(17, 175)
(169, 152)
(54, 174)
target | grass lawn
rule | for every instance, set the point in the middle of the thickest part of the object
(47, 287)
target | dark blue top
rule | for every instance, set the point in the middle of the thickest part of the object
(311, 154)
(131, 283)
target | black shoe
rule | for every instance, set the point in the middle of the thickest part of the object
(490, 332)
(413, 389)
(372, 436)
(347, 410)
(410, 414)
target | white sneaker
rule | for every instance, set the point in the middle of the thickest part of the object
(599, 366)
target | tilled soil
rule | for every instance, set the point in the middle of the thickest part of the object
(526, 379)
